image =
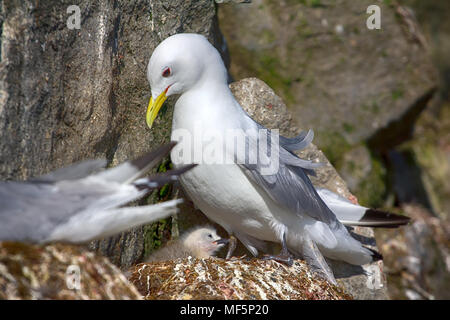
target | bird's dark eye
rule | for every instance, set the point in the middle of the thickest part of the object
(166, 72)
(210, 235)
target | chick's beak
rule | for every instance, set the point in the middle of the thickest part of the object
(221, 241)
(153, 108)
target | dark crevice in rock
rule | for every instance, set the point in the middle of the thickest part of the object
(406, 179)
(400, 130)
(445, 80)
(108, 144)
(1, 31)
(344, 271)
(403, 173)
(113, 37)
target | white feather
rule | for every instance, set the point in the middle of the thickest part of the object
(88, 225)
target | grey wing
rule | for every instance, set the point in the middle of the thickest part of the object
(73, 172)
(161, 178)
(129, 171)
(125, 172)
(299, 142)
(289, 185)
(31, 211)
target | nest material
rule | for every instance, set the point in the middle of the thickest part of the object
(215, 278)
(41, 272)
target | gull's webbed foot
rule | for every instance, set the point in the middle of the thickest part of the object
(282, 258)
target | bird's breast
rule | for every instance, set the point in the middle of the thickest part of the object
(226, 196)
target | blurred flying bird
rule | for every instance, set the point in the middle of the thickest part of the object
(79, 204)
(200, 242)
(248, 201)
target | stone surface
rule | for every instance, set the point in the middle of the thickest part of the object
(213, 278)
(335, 74)
(423, 188)
(417, 256)
(42, 272)
(430, 147)
(357, 88)
(67, 95)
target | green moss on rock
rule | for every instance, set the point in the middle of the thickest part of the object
(372, 190)
(333, 144)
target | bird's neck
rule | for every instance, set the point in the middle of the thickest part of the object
(205, 120)
(207, 104)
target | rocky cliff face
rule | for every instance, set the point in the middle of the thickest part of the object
(68, 95)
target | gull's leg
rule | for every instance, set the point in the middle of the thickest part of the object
(284, 256)
(232, 243)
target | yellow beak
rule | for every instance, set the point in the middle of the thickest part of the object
(153, 108)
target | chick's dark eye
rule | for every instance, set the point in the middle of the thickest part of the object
(166, 72)
(209, 235)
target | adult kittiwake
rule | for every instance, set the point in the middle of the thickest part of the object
(267, 199)
(78, 203)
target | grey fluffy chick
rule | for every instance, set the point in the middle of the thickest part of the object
(201, 242)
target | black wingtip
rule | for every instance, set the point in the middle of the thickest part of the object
(153, 156)
(160, 179)
(383, 219)
(376, 256)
